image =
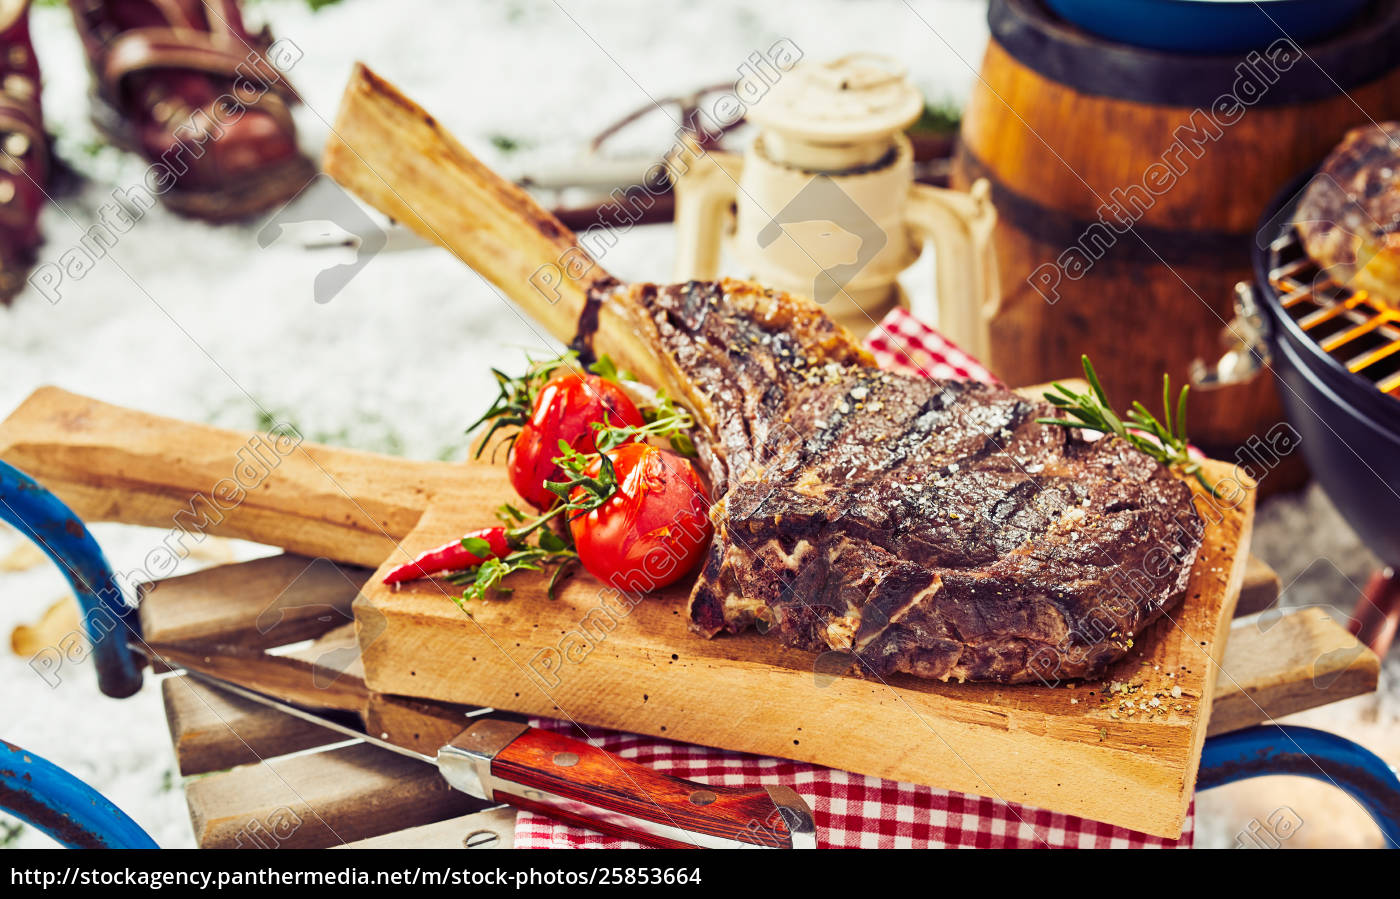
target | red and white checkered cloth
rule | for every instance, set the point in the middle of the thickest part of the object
(900, 342)
(852, 810)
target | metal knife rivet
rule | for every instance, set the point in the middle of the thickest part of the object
(565, 759)
(534, 794)
(702, 797)
(481, 839)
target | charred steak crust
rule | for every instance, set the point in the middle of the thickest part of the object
(922, 526)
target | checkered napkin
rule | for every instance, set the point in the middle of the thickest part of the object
(853, 810)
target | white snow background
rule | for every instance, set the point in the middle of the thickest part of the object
(197, 322)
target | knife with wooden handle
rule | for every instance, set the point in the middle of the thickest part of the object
(502, 760)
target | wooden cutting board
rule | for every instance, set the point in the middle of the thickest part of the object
(601, 661)
(599, 658)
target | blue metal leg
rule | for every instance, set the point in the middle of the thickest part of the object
(31, 788)
(65, 808)
(44, 519)
(1305, 752)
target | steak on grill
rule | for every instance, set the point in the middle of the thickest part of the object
(1349, 216)
(920, 526)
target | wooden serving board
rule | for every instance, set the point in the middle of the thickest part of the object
(600, 661)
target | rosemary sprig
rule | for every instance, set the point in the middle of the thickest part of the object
(1164, 441)
(515, 398)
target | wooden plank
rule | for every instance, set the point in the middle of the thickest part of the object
(212, 730)
(265, 602)
(491, 829)
(1298, 661)
(609, 663)
(333, 655)
(1260, 589)
(319, 800)
(1270, 669)
(114, 464)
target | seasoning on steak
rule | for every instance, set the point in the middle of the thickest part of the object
(922, 526)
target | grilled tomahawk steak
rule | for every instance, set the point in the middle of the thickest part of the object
(921, 526)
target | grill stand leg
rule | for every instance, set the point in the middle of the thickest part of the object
(1377, 615)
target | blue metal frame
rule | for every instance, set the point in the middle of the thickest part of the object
(53, 527)
(73, 813)
(1305, 752)
(76, 815)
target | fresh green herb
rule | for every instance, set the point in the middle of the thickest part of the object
(665, 420)
(487, 577)
(606, 369)
(1164, 441)
(477, 547)
(597, 489)
(515, 398)
(510, 515)
(550, 547)
(553, 545)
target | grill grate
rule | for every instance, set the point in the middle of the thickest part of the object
(1358, 331)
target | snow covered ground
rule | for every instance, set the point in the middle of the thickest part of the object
(198, 322)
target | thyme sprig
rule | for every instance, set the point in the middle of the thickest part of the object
(549, 548)
(1164, 441)
(597, 488)
(545, 540)
(487, 577)
(664, 420)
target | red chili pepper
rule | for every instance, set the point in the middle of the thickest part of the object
(452, 556)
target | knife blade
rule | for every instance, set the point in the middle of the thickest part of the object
(500, 760)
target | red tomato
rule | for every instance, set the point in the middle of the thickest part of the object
(653, 530)
(565, 409)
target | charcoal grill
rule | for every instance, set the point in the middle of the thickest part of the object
(1336, 355)
(1358, 332)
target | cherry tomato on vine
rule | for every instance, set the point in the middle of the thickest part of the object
(653, 529)
(565, 408)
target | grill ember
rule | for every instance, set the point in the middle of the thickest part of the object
(1360, 331)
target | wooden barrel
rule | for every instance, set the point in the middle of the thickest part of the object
(1129, 183)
